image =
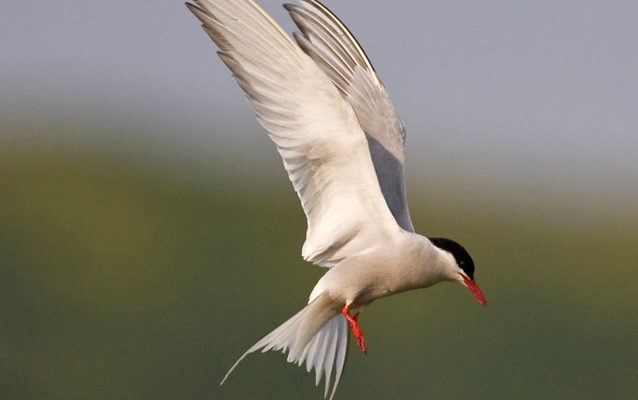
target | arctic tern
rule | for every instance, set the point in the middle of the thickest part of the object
(342, 144)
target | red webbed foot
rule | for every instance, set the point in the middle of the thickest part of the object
(356, 330)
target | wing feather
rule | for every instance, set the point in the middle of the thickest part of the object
(336, 51)
(313, 126)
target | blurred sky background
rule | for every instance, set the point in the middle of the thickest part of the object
(548, 89)
(128, 155)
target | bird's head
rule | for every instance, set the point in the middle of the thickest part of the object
(463, 270)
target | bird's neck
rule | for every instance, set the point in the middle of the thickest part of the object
(443, 265)
(429, 264)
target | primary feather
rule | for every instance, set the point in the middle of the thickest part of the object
(336, 51)
(316, 130)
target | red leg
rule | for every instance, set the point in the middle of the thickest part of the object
(356, 330)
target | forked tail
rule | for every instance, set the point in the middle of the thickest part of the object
(316, 335)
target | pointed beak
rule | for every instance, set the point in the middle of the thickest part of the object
(475, 290)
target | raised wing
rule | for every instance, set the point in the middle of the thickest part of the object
(336, 51)
(314, 128)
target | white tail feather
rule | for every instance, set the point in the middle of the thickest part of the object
(317, 335)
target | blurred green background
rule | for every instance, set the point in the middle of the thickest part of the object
(127, 278)
(149, 235)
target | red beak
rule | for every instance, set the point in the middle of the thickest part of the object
(475, 291)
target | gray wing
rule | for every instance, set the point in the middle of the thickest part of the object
(335, 50)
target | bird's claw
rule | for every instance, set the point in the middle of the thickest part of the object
(356, 330)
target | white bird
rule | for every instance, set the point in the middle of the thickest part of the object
(341, 142)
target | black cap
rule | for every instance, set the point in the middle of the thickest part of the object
(461, 255)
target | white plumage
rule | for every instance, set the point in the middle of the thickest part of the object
(314, 335)
(341, 142)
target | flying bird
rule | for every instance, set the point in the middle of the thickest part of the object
(342, 144)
